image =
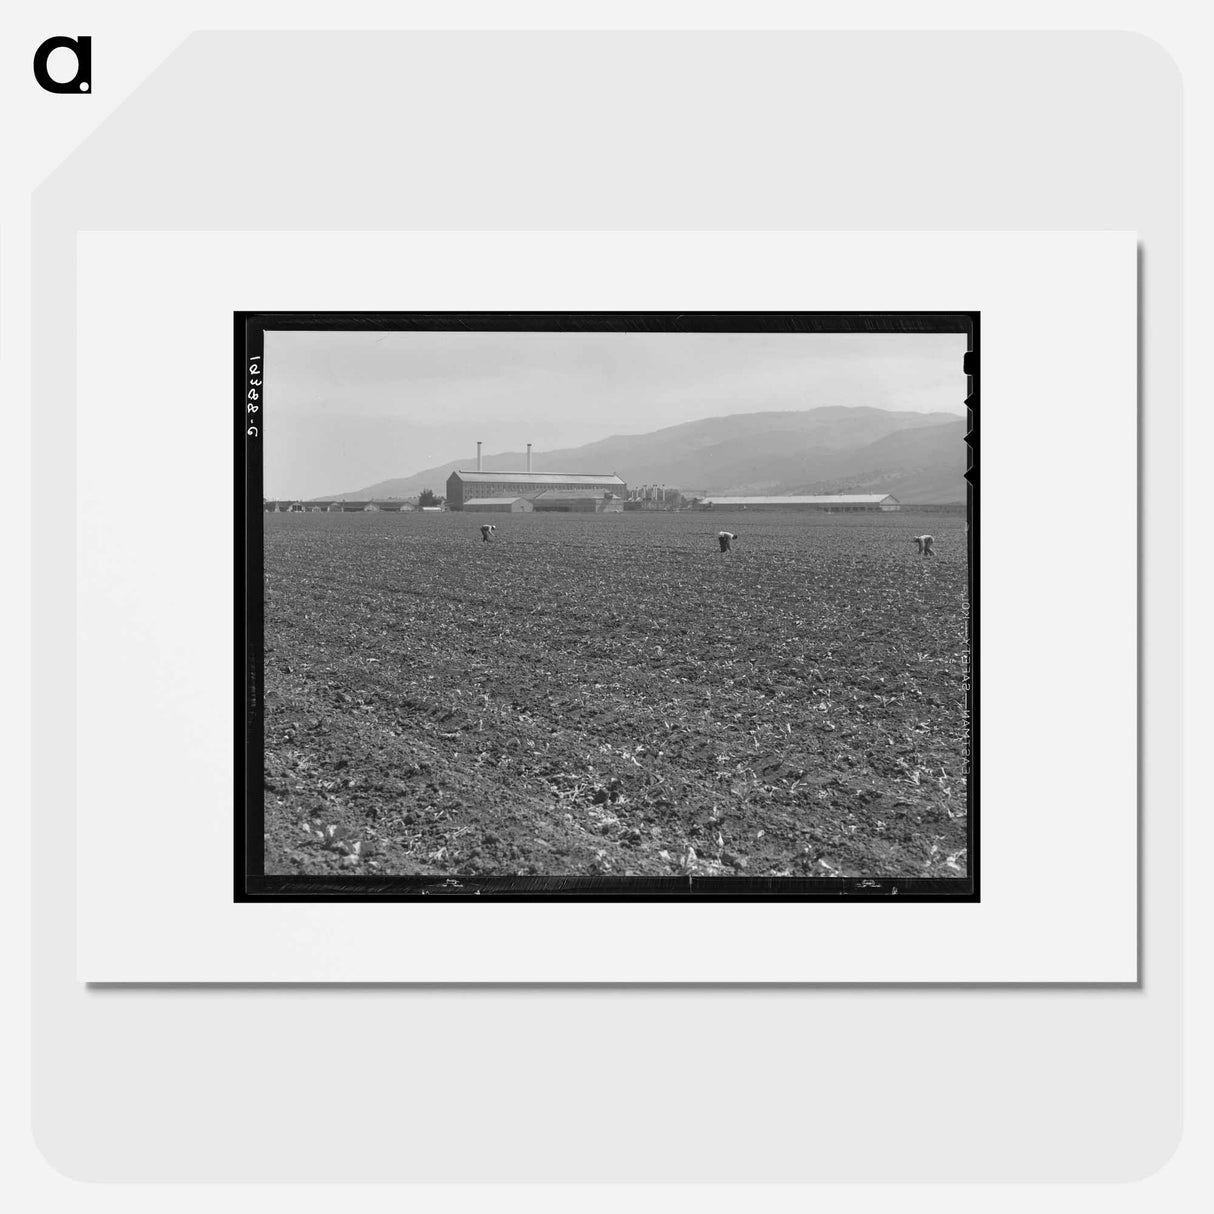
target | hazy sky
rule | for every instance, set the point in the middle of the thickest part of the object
(344, 410)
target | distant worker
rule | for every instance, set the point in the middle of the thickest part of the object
(725, 538)
(487, 530)
(925, 543)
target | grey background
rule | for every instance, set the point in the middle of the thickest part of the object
(679, 131)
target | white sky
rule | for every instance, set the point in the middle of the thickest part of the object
(344, 410)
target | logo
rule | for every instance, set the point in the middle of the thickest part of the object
(82, 81)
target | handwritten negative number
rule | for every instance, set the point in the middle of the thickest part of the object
(253, 394)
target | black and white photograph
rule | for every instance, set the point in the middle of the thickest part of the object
(608, 605)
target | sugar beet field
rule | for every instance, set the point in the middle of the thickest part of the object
(610, 694)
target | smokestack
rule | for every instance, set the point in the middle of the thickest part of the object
(528, 457)
(478, 457)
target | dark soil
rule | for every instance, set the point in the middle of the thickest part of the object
(611, 694)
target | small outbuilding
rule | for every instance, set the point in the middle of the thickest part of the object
(572, 501)
(499, 505)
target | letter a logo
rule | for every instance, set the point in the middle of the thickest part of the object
(82, 81)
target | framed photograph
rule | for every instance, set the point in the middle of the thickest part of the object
(266, 839)
(607, 606)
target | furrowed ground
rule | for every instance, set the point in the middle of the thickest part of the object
(611, 694)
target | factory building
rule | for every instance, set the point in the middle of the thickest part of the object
(830, 503)
(464, 486)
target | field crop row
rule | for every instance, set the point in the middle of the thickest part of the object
(610, 694)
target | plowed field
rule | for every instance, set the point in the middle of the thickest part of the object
(611, 694)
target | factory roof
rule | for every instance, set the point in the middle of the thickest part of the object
(540, 478)
(493, 501)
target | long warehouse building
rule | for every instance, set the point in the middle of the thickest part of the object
(464, 486)
(829, 502)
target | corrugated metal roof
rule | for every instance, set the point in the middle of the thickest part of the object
(538, 478)
(493, 501)
(831, 499)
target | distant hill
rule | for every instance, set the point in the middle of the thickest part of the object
(922, 465)
(918, 457)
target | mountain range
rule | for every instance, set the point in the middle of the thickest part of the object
(918, 457)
